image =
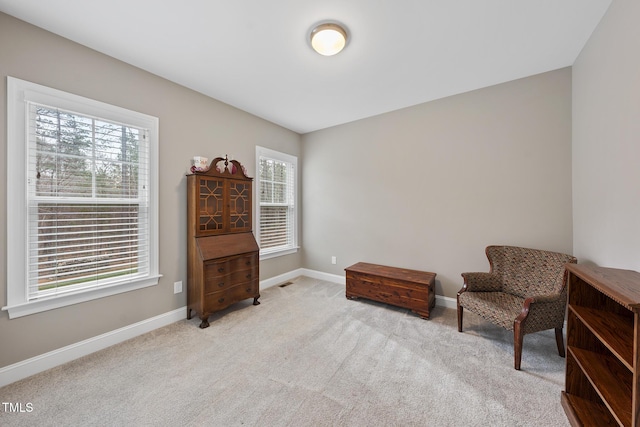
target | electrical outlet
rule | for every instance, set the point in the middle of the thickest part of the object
(177, 287)
(333, 260)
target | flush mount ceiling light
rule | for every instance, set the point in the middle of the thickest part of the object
(328, 39)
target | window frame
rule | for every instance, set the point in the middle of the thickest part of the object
(293, 160)
(18, 93)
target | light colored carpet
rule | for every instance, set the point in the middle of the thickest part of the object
(306, 356)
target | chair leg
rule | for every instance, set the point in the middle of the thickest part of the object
(517, 344)
(560, 342)
(460, 310)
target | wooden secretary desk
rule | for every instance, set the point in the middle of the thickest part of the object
(223, 260)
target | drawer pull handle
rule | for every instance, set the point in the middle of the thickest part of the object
(221, 284)
(249, 276)
(221, 300)
(249, 262)
(221, 269)
(249, 290)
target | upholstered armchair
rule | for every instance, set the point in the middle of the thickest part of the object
(524, 291)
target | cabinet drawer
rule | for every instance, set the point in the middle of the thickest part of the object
(221, 299)
(219, 283)
(223, 266)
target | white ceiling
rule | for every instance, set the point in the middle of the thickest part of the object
(255, 54)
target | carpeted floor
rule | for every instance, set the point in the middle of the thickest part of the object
(306, 356)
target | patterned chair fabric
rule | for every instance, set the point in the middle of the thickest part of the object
(525, 291)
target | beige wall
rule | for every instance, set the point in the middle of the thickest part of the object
(190, 124)
(606, 141)
(428, 187)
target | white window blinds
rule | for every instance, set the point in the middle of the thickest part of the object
(277, 215)
(87, 202)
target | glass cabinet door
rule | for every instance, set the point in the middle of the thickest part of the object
(211, 213)
(239, 206)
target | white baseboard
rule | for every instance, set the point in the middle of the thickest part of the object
(273, 281)
(442, 301)
(276, 280)
(446, 302)
(314, 274)
(37, 364)
(54, 358)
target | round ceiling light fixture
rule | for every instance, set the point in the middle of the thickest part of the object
(328, 38)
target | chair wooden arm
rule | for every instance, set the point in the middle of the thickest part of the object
(538, 299)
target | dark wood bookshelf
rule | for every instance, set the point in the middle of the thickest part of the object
(602, 374)
(612, 330)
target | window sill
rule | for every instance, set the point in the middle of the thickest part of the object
(278, 253)
(37, 306)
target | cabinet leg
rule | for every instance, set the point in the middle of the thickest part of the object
(188, 314)
(204, 323)
(255, 300)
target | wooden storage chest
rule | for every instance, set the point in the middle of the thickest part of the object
(411, 289)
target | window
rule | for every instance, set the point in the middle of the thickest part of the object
(82, 197)
(276, 185)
